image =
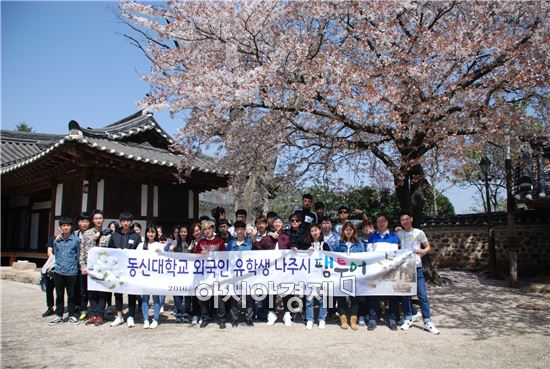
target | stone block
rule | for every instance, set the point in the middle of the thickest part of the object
(20, 265)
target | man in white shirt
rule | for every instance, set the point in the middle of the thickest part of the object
(415, 239)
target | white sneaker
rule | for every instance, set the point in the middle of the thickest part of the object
(146, 324)
(430, 327)
(162, 309)
(154, 324)
(406, 324)
(309, 324)
(362, 321)
(321, 324)
(271, 318)
(73, 320)
(416, 316)
(130, 322)
(118, 321)
(287, 319)
(195, 320)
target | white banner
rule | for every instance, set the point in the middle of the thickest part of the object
(277, 272)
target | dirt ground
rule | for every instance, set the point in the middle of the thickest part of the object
(480, 323)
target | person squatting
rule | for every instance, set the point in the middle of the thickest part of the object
(308, 230)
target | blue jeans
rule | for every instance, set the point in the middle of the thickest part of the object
(309, 309)
(393, 302)
(145, 307)
(422, 294)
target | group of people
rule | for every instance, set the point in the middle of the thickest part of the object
(306, 231)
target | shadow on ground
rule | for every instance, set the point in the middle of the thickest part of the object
(487, 308)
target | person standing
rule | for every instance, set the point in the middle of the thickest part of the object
(240, 216)
(151, 244)
(242, 242)
(297, 233)
(307, 215)
(81, 289)
(349, 242)
(329, 236)
(210, 243)
(125, 238)
(343, 215)
(223, 231)
(415, 239)
(94, 237)
(314, 239)
(183, 303)
(47, 276)
(67, 251)
(278, 239)
(382, 240)
(319, 208)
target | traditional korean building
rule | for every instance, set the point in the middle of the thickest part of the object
(128, 165)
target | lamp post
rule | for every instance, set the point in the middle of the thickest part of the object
(485, 167)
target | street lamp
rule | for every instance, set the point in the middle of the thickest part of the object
(485, 167)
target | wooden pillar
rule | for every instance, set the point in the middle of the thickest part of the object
(150, 199)
(51, 229)
(196, 207)
(92, 191)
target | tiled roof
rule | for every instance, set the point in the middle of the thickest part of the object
(22, 148)
(19, 146)
(134, 124)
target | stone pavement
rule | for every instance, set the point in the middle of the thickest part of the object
(480, 321)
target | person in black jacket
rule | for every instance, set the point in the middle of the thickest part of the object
(297, 233)
(125, 238)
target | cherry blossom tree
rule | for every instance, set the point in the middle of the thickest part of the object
(293, 88)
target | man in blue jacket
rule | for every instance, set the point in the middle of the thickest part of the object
(383, 240)
(66, 249)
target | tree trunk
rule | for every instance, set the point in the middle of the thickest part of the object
(255, 195)
(410, 194)
(403, 192)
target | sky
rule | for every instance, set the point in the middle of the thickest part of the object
(68, 60)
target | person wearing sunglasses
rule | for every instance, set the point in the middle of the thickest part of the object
(297, 233)
(343, 215)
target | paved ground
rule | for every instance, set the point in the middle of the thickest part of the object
(480, 323)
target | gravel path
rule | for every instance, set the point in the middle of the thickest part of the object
(480, 323)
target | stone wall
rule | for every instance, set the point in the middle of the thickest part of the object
(462, 241)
